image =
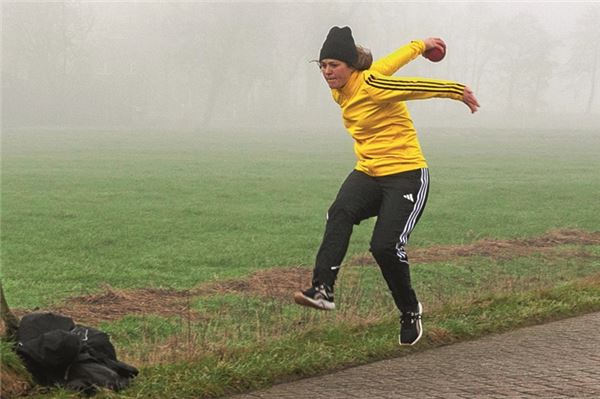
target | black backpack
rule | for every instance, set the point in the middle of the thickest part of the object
(56, 351)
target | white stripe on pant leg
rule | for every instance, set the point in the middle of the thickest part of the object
(410, 223)
(419, 203)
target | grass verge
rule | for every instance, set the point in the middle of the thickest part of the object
(319, 348)
(14, 379)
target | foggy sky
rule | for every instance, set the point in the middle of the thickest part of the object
(245, 65)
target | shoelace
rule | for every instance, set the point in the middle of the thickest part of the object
(410, 317)
(321, 289)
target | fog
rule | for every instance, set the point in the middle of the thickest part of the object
(208, 66)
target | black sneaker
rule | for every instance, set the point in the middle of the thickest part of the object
(320, 297)
(411, 328)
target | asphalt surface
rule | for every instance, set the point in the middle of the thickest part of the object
(555, 360)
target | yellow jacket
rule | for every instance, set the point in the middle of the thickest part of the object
(374, 112)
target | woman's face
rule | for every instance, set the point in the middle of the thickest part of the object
(335, 72)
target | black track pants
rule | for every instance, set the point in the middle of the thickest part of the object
(398, 202)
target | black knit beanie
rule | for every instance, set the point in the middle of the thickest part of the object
(339, 45)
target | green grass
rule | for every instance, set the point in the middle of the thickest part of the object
(510, 184)
(10, 360)
(13, 374)
(147, 211)
(81, 210)
(328, 344)
(244, 342)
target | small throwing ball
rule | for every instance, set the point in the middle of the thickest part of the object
(435, 54)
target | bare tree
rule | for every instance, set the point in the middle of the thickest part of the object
(43, 43)
(523, 60)
(586, 53)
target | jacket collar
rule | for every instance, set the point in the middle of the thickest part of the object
(349, 90)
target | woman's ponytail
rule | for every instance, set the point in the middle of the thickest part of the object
(364, 60)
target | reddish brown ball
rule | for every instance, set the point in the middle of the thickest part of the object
(435, 54)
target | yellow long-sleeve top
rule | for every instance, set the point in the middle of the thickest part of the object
(376, 116)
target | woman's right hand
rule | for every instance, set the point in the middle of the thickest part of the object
(434, 42)
(470, 100)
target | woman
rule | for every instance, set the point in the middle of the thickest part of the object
(391, 179)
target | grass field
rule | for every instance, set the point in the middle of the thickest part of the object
(83, 211)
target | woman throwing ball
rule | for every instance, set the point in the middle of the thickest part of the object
(391, 178)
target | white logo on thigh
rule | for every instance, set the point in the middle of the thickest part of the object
(409, 197)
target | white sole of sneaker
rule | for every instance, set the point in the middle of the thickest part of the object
(320, 304)
(419, 327)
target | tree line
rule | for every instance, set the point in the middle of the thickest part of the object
(246, 65)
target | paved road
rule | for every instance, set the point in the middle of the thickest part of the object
(555, 360)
